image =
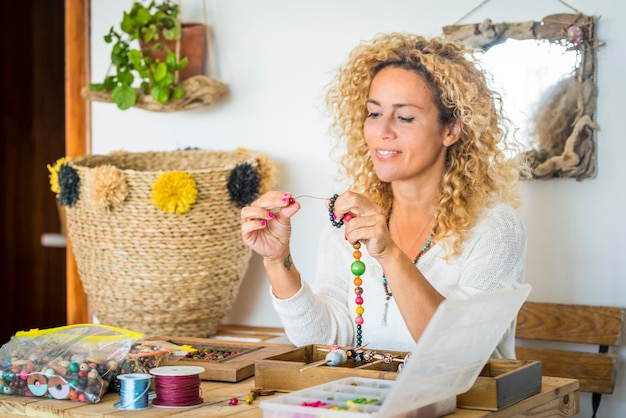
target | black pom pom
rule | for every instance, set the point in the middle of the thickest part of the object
(69, 183)
(244, 184)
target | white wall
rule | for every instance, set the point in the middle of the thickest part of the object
(276, 57)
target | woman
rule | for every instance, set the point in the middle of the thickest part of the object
(431, 200)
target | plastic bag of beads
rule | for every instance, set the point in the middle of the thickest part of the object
(76, 362)
(145, 355)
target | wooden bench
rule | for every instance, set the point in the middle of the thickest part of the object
(567, 327)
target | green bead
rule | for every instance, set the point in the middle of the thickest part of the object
(357, 268)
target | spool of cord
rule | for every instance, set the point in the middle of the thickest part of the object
(177, 386)
(134, 389)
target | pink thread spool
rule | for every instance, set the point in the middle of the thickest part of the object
(177, 386)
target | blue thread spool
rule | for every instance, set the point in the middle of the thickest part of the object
(134, 389)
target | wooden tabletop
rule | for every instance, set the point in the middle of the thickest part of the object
(558, 398)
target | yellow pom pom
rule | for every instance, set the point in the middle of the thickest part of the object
(54, 174)
(174, 192)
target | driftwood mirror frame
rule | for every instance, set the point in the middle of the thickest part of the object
(576, 32)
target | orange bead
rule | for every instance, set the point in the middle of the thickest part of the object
(356, 245)
(357, 255)
(357, 281)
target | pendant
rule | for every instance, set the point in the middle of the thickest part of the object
(383, 322)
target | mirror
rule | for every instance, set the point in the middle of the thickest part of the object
(545, 72)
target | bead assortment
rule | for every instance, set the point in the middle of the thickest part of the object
(211, 354)
(74, 376)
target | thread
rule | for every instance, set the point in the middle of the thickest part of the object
(134, 389)
(177, 386)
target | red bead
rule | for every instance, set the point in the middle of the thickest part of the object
(358, 300)
(234, 401)
(358, 320)
(347, 217)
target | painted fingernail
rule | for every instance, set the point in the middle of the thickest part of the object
(263, 223)
(270, 214)
(334, 217)
(347, 217)
(284, 200)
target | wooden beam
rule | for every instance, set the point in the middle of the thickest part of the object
(77, 130)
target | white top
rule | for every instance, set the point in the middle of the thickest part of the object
(324, 312)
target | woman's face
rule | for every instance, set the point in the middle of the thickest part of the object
(402, 129)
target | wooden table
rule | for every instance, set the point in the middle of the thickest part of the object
(558, 398)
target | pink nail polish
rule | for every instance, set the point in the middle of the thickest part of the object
(263, 223)
(270, 214)
(284, 200)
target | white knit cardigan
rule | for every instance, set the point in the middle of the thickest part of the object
(323, 313)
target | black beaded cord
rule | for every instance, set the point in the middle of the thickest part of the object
(331, 212)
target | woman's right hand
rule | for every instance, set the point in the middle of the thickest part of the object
(266, 224)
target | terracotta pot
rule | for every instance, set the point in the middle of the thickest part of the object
(192, 46)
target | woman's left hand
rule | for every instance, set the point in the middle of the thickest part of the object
(364, 221)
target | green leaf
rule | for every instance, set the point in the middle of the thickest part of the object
(183, 63)
(170, 61)
(145, 86)
(160, 72)
(126, 78)
(110, 82)
(169, 34)
(96, 86)
(149, 33)
(124, 97)
(144, 72)
(135, 57)
(143, 17)
(160, 94)
(178, 93)
(127, 24)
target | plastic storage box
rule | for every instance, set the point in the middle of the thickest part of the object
(453, 349)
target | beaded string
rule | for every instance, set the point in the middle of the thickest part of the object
(357, 268)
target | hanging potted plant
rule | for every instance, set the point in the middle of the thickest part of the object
(153, 55)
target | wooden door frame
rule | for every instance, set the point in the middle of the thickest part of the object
(77, 130)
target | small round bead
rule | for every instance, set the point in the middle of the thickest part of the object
(358, 290)
(358, 300)
(358, 320)
(356, 245)
(359, 310)
(357, 281)
(233, 401)
(357, 254)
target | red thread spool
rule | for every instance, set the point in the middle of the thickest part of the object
(177, 386)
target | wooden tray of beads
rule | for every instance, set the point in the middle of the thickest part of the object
(282, 371)
(500, 383)
(223, 361)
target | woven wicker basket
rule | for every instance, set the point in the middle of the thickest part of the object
(156, 272)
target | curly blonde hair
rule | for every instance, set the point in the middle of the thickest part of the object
(477, 171)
